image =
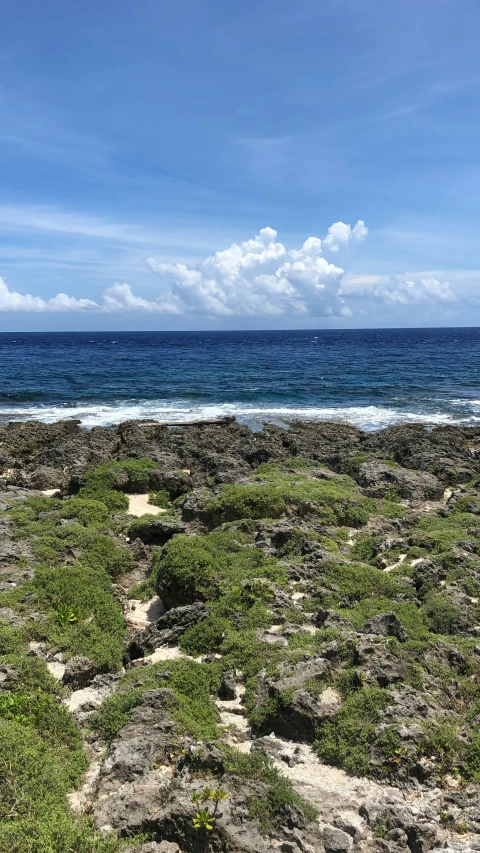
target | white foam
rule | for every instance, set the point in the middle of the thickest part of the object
(366, 417)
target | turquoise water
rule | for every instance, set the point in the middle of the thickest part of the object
(369, 378)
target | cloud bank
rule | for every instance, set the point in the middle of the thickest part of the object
(398, 292)
(256, 278)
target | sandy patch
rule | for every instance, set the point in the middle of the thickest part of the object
(56, 668)
(140, 505)
(165, 653)
(234, 721)
(81, 697)
(144, 612)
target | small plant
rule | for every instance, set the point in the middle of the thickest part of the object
(204, 820)
(67, 615)
(12, 706)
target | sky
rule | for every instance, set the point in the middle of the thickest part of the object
(199, 164)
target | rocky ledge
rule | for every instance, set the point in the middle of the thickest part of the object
(282, 653)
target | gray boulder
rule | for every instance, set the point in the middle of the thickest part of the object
(377, 478)
(387, 625)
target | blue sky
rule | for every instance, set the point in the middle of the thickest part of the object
(138, 140)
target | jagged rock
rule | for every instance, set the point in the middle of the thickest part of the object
(8, 676)
(377, 479)
(157, 531)
(167, 630)
(296, 709)
(228, 686)
(387, 625)
(80, 672)
(127, 810)
(46, 477)
(9, 615)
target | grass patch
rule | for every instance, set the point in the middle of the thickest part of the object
(160, 498)
(98, 628)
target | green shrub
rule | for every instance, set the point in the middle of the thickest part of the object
(190, 706)
(345, 739)
(472, 759)
(34, 815)
(11, 639)
(365, 549)
(90, 513)
(441, 614)
(244, 651)
(332, 501)
(160, 498)
(206, 636)
(411, 617)
(193, 568)
(99, 485)
(357, 582)
(99, 628)
(269, 811)
(114, 712)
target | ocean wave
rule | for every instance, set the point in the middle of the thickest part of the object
(93, 414)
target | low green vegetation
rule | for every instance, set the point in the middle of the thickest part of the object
(189, 700)
(35, 777)
(41, 759)
(268, 810)
(200, 568)
(131, 475)
(332, 501)
(346, 738)
(160, 498)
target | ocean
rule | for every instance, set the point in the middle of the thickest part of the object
(371, 378)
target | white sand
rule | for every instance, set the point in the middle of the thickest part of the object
(144, 612)
(165, 653)
(56, 668)
(86, 694)
(140, 505)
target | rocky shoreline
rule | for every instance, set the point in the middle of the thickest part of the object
(282, 653)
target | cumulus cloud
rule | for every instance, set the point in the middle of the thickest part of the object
(10, 300)
(411, 292)
(262, 277)
(258, 277)
(340, 234)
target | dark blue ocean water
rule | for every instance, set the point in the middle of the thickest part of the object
(370, 378)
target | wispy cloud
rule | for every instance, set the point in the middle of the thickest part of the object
(41, 133)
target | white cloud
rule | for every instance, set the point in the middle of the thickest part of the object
(411, 292)
(258, 277)
(340, 234)
(261, 277)
(10, 300)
